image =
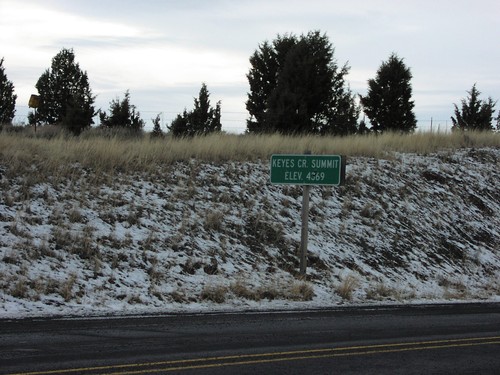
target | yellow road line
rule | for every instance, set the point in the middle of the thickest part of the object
(284, 356)
(285, 359)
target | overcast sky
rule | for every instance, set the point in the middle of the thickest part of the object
(162, 50)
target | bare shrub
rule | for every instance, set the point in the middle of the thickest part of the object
(20, 289)
(62, 238)
(380, 291)
(178, 297)
(8, 199)
(190, 267)
(226, 198)
(212, 268)
(271, 290)
(11, 257)
(455, 294)
(56, 218)
(300, 291)
(240, 289)
(134, 215)
(453, 289)
(66, 287)
(214, 293)
(16, 229)
(84, 247)
(155, 276)
(135, 300)
(264, 229)
(75, 215)
(150, 241)
(213, 221)
(346, 288)
(369, 211)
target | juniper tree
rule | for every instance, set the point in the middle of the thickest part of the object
(122, 114)
(180, 125)
(65, 94)
(475, 114)
(7, 97)
(296, 86)
(202, 120)
(388, 102)
(157, 132)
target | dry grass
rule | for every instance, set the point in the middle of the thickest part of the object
(270, 290)
(214, 293)
(380, 291)
(347, 287)
(213, 221)
(66, 287)
(301, 291)
(20, 152)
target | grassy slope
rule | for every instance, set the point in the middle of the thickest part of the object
(131, 223)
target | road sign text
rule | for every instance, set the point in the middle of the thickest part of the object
(307, 169)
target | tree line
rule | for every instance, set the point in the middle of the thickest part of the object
(296, 87)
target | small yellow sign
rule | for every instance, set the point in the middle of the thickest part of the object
(34, 101)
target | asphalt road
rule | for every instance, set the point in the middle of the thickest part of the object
(424, 339)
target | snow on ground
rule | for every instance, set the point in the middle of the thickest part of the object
(200, 236)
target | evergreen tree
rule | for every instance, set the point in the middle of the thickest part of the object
(363, 129)
(65, 94)
(296, 86)
(388, 102)
(475, 114)
(7, 97)
(122, 114)
(202, 120)
(262, 79)
(343, 112)
(157, 132)
(180, 125)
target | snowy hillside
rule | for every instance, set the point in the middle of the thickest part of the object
(199, 236)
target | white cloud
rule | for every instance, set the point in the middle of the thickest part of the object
(32, 34)
(162, 65)
(35, 24)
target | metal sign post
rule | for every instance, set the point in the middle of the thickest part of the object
(304, 230)
(34, 103)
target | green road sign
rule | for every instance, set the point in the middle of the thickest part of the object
(307, 169)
